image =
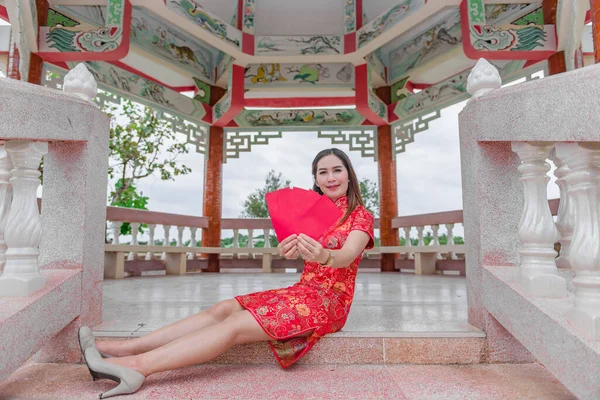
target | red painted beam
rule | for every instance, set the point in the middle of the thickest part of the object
(293, 102)
(237, 97)
(362, 96)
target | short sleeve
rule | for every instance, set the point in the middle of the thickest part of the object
(363, 221)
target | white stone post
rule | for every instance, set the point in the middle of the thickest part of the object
(267, 237)
(537, 231)
(116, 229)
(407, 242)
(135, 226)
(421, 242)
(180, 230)
(584, 183)
(450, 228)
(5, 200)
(21, 275)
(566, 213)
(167, 241)
(151, 228)
(251, 242)
(192, 254)
(436, 239)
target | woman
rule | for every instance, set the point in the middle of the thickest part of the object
(292, 319)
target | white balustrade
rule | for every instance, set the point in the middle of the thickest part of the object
(151, 229)
(267, 233)
(135, 226)
(180, 230)
(192, 254)
(450, 228)
(116, 229)
(5, 199)
(436, 240)
(537, 230)
(407, 242)
(583, 179)
(420, 242)
(167, 242)
(251, 241)
(565, 216)
(21, 275)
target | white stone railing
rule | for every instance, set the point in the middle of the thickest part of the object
(50, 260)
(508, 136)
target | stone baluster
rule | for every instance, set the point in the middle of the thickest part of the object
(407, 242)
(267, 233)
(151, 228)
(450, 228)
(584, 187)
(192, 254)
(565, 216)
(5, 199)
(436, 239)
(537, 230)
(251, 241)
(421, 242)
(180, 230)
(236, 242)
(135, 226)
(167, 242)
(21, 275)
(116, 230)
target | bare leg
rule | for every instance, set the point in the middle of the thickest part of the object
(198, 347)
(217, 313)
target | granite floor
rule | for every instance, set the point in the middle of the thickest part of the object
(392, 305)
(217, 381)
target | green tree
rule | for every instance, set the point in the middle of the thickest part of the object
(255, 205)
(369, 192)
(142, 145)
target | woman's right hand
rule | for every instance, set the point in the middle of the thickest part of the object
(288, 248)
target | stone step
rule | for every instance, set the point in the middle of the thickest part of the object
(357, 381)
(370, 348)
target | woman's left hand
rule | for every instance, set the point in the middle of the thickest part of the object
(310, 249)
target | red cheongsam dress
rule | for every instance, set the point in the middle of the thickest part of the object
(317, 305)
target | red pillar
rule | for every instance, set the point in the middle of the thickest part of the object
(213, 179)
(388, 194)
(556, 62)
(595, 14)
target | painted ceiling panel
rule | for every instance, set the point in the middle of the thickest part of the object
(308, 17)
(223, 9)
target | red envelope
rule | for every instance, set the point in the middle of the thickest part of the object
(301, 211)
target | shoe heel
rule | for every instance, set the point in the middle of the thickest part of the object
(122, 388)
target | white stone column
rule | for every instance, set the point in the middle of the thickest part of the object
(251, 242)
(584, 257)
(167, 241)
(450, 228)
(267, 233)
(537, 231)
(566, 214)
(5, 200)
(192, 254)
(420, 236)
(151, 229)
(407, 242)
(135, 226)
(180, 230)
(21, 275)
(116, 229)
(436, 239)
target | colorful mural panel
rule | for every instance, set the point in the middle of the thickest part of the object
(388, 19)
(202, 91)
(298, 45)
(298, 118)
(193, 11)
(433, 42)
(143, 90)
(375, 64)
(349, 16)
(248, 16)
(164, 40)
(299, 74)
(111, 37)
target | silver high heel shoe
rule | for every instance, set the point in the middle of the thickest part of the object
(87, 340)
(129, 380)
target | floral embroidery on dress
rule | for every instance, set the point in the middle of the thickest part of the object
(319, 303)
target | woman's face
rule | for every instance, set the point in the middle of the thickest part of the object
(332, 177)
